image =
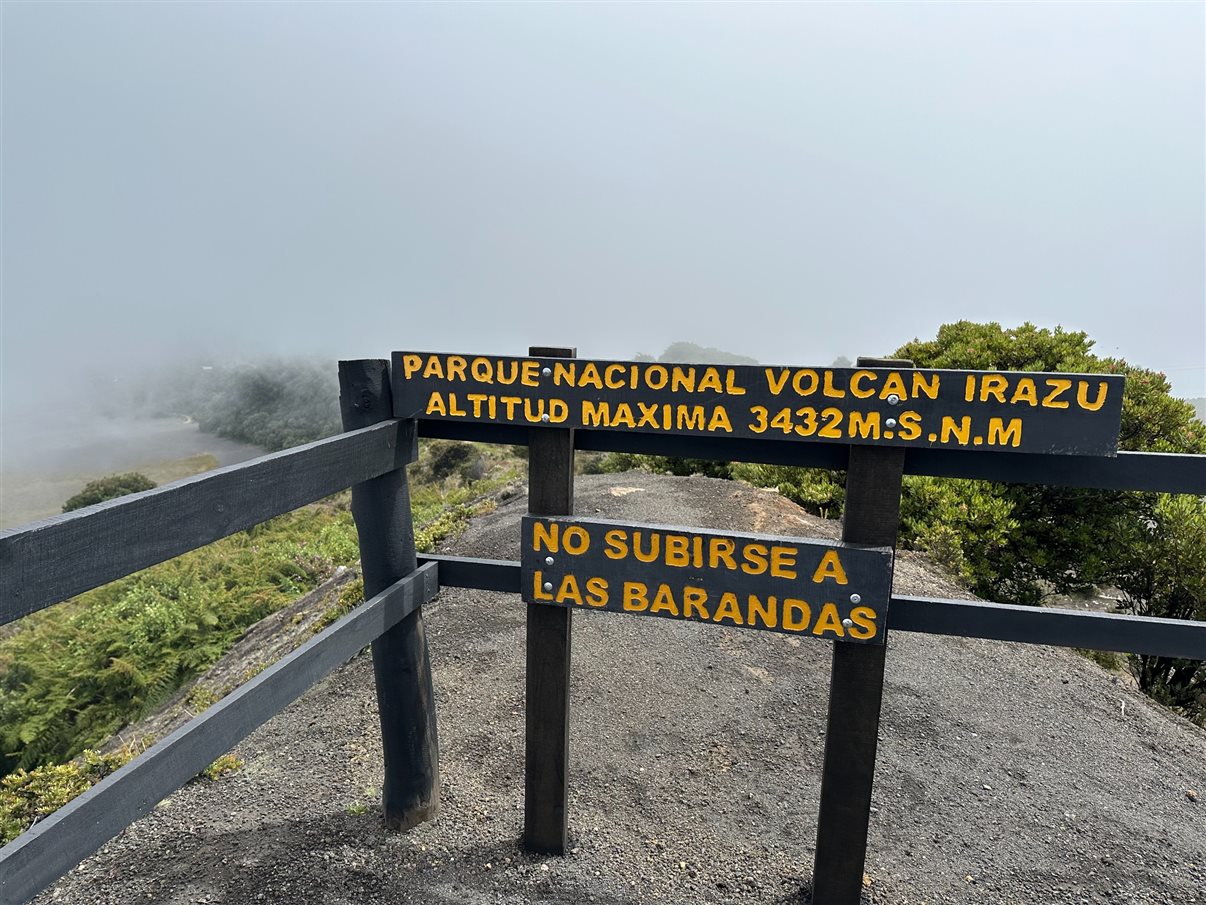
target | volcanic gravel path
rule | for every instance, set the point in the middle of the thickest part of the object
(1006, 773)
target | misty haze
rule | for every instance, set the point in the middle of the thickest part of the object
(214, 184)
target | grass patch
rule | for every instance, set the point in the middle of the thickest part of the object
(76, 673)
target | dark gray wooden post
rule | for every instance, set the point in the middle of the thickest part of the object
(546, 790)
(401, 666)
(871, 516)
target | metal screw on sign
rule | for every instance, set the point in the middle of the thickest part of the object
(856, 598)
(848, 623)
(548, 586)
(891, 422)
(548, 560)
(893, 399)
(546, 371)
(544, 418)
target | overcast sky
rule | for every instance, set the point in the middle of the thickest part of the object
(791, 182)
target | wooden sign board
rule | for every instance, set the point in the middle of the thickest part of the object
(822, 589)
(985, 410)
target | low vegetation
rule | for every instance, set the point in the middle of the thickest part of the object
(75, 674)
(109, 488)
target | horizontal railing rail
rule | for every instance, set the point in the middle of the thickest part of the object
(942, 616)
(49, 561)
(1162, 472)
(41, 855)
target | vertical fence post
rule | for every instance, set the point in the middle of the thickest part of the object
(870, 516)
(546, 790)
(401, 665)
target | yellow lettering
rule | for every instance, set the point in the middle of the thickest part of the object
(755, 559)
(618, 382)
(1082, 395)
(765, 613)
(776, 386)
(596, 414)
(538, 591)
(864, 626)
(864, 425)
(1025, 392)
(894, 385)
(435, 368)
(829, 389)
(590, 376)
(829, 621)
(663, 377)
(962, 433)
(830, 567)
(730, 385)
(596, 591)
(856, 384)
(615, 544)
(677, 548)
(920, 385)
(1001, 435)
(710, 381)
(909, 425)
(410, 364)
(720, 420)
(663, 601)
(729, 610)
(452, 406)
(569, 591)
(691, 417)
(435, 405)
(797, 382)
(993, 385)
(694, 599)
(565, 372)
(681, 379)
(531, 373)
(655, 543)
(721, 549)
(501, 373)
(456, 367)
(796, 615)
(783, 562)
(1059, 386)
(544, 536)
(623, 416)
(636, 597)
(575, 540)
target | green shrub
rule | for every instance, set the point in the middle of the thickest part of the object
(1060, 539)
(108, 488)
(29, 795)
(1162, 572)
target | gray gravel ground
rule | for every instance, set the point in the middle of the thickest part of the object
(1007, 774)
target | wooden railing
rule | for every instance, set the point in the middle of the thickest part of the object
(50, 561)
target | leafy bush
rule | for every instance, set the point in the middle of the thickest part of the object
(815, 490)
(109, 488)
(1162, 572)
(1061, 539)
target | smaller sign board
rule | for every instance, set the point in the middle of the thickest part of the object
(798, 586)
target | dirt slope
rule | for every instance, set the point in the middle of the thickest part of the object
(1007, 774)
